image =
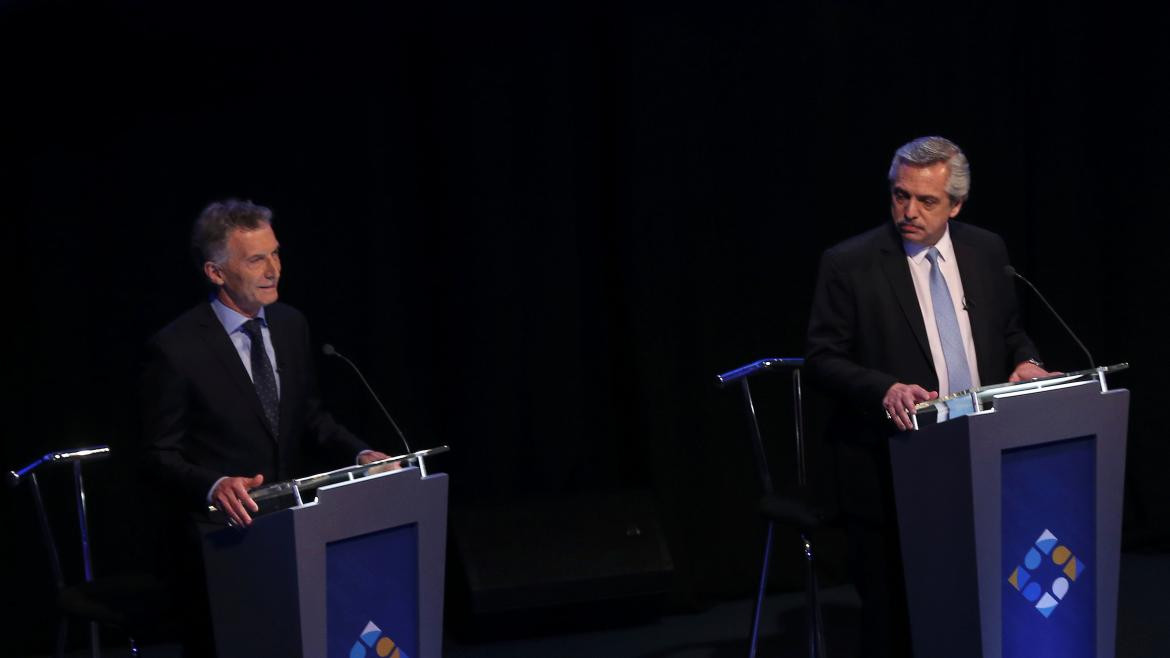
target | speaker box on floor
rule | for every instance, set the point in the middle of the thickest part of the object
(598, 558)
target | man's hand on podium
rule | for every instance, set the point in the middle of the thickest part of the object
(231, 496)
(1030, 369)
(368, 456)
(900, 400)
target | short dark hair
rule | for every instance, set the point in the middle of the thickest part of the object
(209, 236)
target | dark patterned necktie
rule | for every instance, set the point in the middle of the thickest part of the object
(262, 375)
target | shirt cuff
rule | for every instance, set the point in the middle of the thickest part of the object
(212, 489)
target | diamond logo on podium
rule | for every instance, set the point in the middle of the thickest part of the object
(1047, 558)
(373, 640)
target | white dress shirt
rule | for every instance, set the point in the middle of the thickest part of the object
(920, 273)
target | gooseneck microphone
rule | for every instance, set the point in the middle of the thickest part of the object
(329, 351)
(1011, 271)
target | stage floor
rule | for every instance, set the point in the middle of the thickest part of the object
(720, 630)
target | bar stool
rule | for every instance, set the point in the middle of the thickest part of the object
(129, 602)
(792, 508)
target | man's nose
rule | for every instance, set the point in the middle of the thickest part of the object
(911, 209)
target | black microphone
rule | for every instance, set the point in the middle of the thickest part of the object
(1011, 271)
(329, 351)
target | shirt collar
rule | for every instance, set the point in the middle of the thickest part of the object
(231, 320)
(917, 252)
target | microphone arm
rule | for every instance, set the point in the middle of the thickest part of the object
(328, 350)
(1011, 271)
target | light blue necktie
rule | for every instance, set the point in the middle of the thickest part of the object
(954, 353)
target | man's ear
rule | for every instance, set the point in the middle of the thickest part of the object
(211, 271)
(955, 209)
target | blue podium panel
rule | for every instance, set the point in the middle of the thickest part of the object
(356, 573)
(1048, 549)
(1030, 495)
(372, 594)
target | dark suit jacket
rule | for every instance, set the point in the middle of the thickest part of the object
(203, 419)
(866, 332)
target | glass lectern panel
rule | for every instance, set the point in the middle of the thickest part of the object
(293, 493)
(983, 398)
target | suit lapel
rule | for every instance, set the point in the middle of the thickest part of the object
(893, 259)
(279, 333)
(225, 353)
(975, 295)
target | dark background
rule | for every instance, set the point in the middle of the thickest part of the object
(541, 228)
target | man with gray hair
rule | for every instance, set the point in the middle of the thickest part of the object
(906, 312)
(229, 398)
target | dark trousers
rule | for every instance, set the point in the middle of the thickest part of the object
(178, 565)
(875, 565)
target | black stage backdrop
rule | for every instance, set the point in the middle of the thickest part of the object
(541, 228)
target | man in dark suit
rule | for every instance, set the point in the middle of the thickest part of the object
(229, 392)
(913, 309)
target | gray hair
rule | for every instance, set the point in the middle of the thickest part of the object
(209, 235)
(929, 150)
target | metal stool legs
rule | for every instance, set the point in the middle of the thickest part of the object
(755, 639)
(812, 603)
(798, 516)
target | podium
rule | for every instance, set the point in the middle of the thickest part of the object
(357, 571)
(1010, 522)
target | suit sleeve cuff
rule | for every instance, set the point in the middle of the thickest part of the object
(212, 489)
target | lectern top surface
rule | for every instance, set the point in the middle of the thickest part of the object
(987, 394)
(290, 493)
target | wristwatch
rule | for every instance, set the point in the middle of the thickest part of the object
(1036, 362)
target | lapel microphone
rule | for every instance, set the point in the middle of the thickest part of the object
(328, 350)
(1011, 271)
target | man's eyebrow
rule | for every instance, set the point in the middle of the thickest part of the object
(262, 254)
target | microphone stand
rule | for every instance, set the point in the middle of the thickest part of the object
(328, 350)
